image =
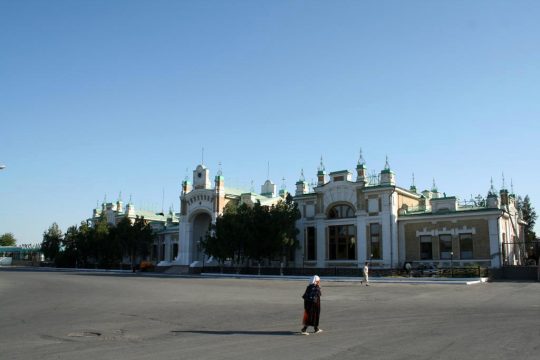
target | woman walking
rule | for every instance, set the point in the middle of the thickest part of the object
(312, 305)
(366, 274)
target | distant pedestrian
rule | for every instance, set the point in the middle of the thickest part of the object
(312, 306)
(366, 274)
(408, 269)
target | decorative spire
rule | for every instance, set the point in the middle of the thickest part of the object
(130, 199)
(321, 166)
(386, 164)
(492, 188)
(511, 186)
(120, 196)
(434, 186)
(302, 177)
(361, 160)
(413, 185)
(186, 178)
(283, 186)
(503, 182)
(202, 156)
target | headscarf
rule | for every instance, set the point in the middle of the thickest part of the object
(315, 279)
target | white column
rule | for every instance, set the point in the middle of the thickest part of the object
(321, 242)
(394, 232)
(185, 244)
(361, 240)
(495, 242)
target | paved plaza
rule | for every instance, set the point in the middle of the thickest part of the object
(82, 315)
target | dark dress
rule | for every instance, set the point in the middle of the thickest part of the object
(312, 305)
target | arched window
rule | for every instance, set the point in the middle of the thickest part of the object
(340, 212)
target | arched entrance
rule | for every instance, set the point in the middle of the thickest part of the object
(201, 225)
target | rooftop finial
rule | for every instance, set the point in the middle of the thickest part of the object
(120, 196)
(413, 184)
(503, 182)
(492, 188)
(302, 178)
(220, 171)
(511, 186)
(283, 186)
(186, 177)
(268, 171)
(434, 187)
(321, 166)
(252, 188)
(202, 156)
(361, 160)
(386, 164)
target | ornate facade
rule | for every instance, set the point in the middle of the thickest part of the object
(201, 202)
(346, 222)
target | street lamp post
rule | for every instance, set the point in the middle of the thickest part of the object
(452, 263)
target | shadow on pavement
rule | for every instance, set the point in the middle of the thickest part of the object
(236, 332)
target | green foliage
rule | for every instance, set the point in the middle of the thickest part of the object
(529, 216)
(258, 232)
(100, 245)
(52, 240)
(7, 239)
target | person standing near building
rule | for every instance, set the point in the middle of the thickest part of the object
(312, 306)
(366, 274)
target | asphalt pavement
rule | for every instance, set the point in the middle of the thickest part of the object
(120, 315)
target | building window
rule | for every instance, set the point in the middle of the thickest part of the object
(375, 241)
(341, 211)
(342, 242)
(373, 206)
(445, 246)
(465, 246)
(426, 248)
(310, 250)
(174, 251)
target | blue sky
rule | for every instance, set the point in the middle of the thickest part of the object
(103, 97)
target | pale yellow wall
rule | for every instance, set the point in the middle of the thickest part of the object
(481, 249)
(407, 200)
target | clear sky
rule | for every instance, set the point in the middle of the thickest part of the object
(99, 98)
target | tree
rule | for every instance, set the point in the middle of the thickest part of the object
(52, 240)
(259, 232)
(67, 256)
(136, 239)
(7, 239)
(529, 216)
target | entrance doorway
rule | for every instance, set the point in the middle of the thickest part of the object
(201, 225)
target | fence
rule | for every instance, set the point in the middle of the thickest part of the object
(457, 272)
